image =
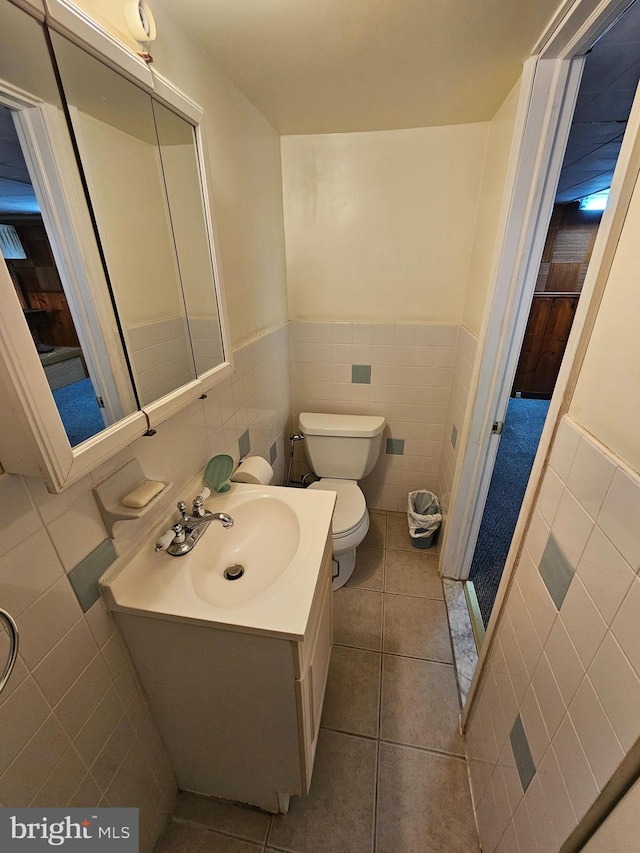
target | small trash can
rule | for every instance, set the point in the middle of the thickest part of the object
(424, 517)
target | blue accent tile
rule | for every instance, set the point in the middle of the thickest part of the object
(273, 453)
(395, 446)
(84, 577)
(361, 374)
(244, 443)
(556, 571)
(454, 436)
(522, 753)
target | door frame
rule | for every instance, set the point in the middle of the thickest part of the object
(548, 91)
(549, 87)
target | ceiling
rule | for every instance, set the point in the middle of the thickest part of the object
(609, 82)
(16, 193)
(332, 66)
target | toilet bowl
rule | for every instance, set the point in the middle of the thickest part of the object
(343, 449)
(350, 525)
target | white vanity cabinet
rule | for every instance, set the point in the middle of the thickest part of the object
(239, 711)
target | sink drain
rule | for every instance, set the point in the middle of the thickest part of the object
(234, 572)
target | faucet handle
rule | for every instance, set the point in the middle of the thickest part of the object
(182, 509)
(179, 534)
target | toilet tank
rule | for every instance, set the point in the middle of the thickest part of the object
(345, 447)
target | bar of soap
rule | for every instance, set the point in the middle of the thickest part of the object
(143, 494)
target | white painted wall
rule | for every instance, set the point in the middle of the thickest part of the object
(605, 400)
(142, 262)
(486, 228)
(379, 226)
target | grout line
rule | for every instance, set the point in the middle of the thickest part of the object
(393, 654)
(376, 784)
(410, 595)
(431, 750)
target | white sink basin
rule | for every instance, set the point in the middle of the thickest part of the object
(266, 537)
(278, 537)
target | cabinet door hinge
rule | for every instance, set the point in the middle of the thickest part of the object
(100, 402)
(497, 427)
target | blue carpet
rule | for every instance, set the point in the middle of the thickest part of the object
(518, 445)
(79, 410)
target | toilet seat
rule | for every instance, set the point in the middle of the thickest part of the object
(350, 510)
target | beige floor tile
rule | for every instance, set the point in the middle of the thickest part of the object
(413, 573)
(377, 535)
(357, 618)
(424, 803)
(369, 570)
(398, 532)
(416, 627)
(181, 838)
(337, 815)
(353, 692)
(225, 817)
(420, 704)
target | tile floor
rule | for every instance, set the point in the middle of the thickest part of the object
(390, 774)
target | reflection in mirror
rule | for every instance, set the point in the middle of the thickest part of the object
(115, 132)
(90, 386)
(176, 138)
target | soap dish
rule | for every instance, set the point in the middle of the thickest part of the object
(119, 484)
(218, 471)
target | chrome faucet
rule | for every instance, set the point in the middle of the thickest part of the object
(184, 535)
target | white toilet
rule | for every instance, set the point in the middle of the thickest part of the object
(343, 449)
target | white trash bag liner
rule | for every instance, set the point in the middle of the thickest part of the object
(423, 514)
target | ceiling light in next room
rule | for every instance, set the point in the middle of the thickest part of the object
(595, 201)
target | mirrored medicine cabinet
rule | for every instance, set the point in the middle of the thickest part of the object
(113, 314)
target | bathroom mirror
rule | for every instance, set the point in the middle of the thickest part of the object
(115, 256)
(140, 163)
(55, 269)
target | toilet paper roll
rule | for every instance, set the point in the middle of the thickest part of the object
(254, 469)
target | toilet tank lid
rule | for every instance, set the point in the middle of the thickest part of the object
(356, 426)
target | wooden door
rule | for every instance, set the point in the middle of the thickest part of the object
(545, 340)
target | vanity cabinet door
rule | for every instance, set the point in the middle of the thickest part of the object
(311, 687)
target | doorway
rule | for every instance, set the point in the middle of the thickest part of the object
(611, 72)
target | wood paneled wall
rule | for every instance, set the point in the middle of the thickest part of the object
(38, 283)
(567, 249)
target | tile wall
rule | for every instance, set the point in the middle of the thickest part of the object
(455, 420)
(161, 356)
(75, 727)
(557, 709)
(403, 372)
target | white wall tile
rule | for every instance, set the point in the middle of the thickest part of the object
(590, 476)
(565, 445)
(541, 825)
(46, 621)
(534, 726)
(575, 769)
(605, 574)
(625, 626)
(564, 661)
(556, 796)
(18, 517)
(619, 516)
(583, 622)
(77, 532)
(595, 732)
(27, 571)
(524, 829)
(572, 527)
(548, 695)
(618, 689)
(551, 491)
